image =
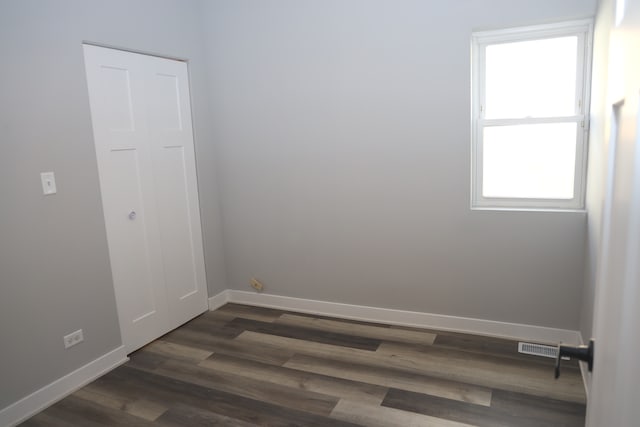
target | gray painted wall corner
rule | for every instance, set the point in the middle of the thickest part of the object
(343, 135)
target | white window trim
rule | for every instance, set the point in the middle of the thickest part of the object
(584, 30)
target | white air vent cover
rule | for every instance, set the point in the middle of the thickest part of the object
(537, 349)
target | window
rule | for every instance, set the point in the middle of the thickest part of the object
(529, 113)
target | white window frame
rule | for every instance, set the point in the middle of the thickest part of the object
(583, 29)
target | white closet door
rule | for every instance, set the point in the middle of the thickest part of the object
(171, 143)
(141, 117)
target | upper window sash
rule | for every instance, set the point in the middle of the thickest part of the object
(481, 40)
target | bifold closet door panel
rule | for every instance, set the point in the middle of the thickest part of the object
(144, 146)
(171, 137)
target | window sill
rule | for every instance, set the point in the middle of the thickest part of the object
(522, 209)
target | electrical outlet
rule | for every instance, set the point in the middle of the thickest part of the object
(255, 284)
(73, 338)
(48, 183)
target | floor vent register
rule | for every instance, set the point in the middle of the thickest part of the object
(538, 350)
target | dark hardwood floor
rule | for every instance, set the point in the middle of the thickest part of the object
(245, 366)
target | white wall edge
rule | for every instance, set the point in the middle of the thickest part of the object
(584, 370)
(53, 392)
(539, 334)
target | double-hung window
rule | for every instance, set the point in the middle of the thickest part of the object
(529, 117)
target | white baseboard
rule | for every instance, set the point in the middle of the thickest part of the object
(219, 300)
(51, 393)
(538, 334)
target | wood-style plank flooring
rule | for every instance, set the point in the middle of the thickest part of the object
(246, 366)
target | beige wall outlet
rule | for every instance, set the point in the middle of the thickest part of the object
(255, 284)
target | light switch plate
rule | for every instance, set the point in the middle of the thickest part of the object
(48, 183)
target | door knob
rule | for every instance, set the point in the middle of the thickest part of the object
(581, 352)
(132, 215)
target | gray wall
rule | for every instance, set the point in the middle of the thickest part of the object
(54, 267)
(343, 138)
